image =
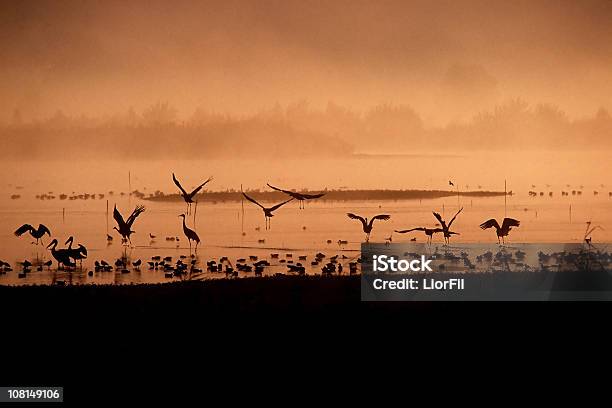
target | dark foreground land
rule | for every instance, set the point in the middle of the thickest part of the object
(281, 294)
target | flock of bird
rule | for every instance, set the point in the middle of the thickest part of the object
(69, 256)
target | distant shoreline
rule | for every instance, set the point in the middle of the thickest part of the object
(330, 195)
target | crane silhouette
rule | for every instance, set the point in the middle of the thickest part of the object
(188, 197)
(428, 231)
(79, 253)
(267, 211)
(62, 256)
(301, 197)
(367, 227)
(190, 234)
(125, 227)
(502, 231)
(35, 233)
(589, 231)
(446, 228)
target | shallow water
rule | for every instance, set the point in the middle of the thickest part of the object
(295, 231)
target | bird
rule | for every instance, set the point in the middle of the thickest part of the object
(35, 233)
(152, 236)
(367, 227)
(78, 254)
(188, 197)
(109, 238)
(267, 211)
(137, 264)
(301, 197)
(450, 183)
(428, 231)
(589, 231)
(505, 228)
(446, 228)
(62, 256)
(190, 234)
(125, 227)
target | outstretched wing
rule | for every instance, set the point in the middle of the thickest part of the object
(280, 189)
(490, 223)
(252, 200)
(356, 217)
(277, 206)
(117, 216)
(137, 211)
(510, 222)
(439, 218)
(409, 230)
(194, 192)
(312, 196)
(23, 229)
(382, 217)
(178, 184)
(44, 229)
(453, 219)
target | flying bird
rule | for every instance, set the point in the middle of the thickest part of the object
(505, 228)
(190, 234)
(367, 227)
(267, 211)
(428, 231)
(35, 233)
(446, 228)
(188, 197)
(450, 183)
(301, 197)
(125, 227)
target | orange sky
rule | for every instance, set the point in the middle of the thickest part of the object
(447, 59)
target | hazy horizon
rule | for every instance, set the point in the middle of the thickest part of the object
(446, 60)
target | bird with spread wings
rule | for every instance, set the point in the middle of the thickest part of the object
(125, 227)
(502, 231)
(188, 197)
(301, 197)
(367, 226)
(446, 228)
(428, 231)
(267, 210)
(35, 233)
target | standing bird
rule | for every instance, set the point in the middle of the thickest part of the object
(190, 234)
(367, 227)
(301, 197)
(62, 256)
(267, 211)
(78, 254)
(35, 233)
(428, 231)
(188, 197)
(505, 228)
(446, 228)
(125, 227)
